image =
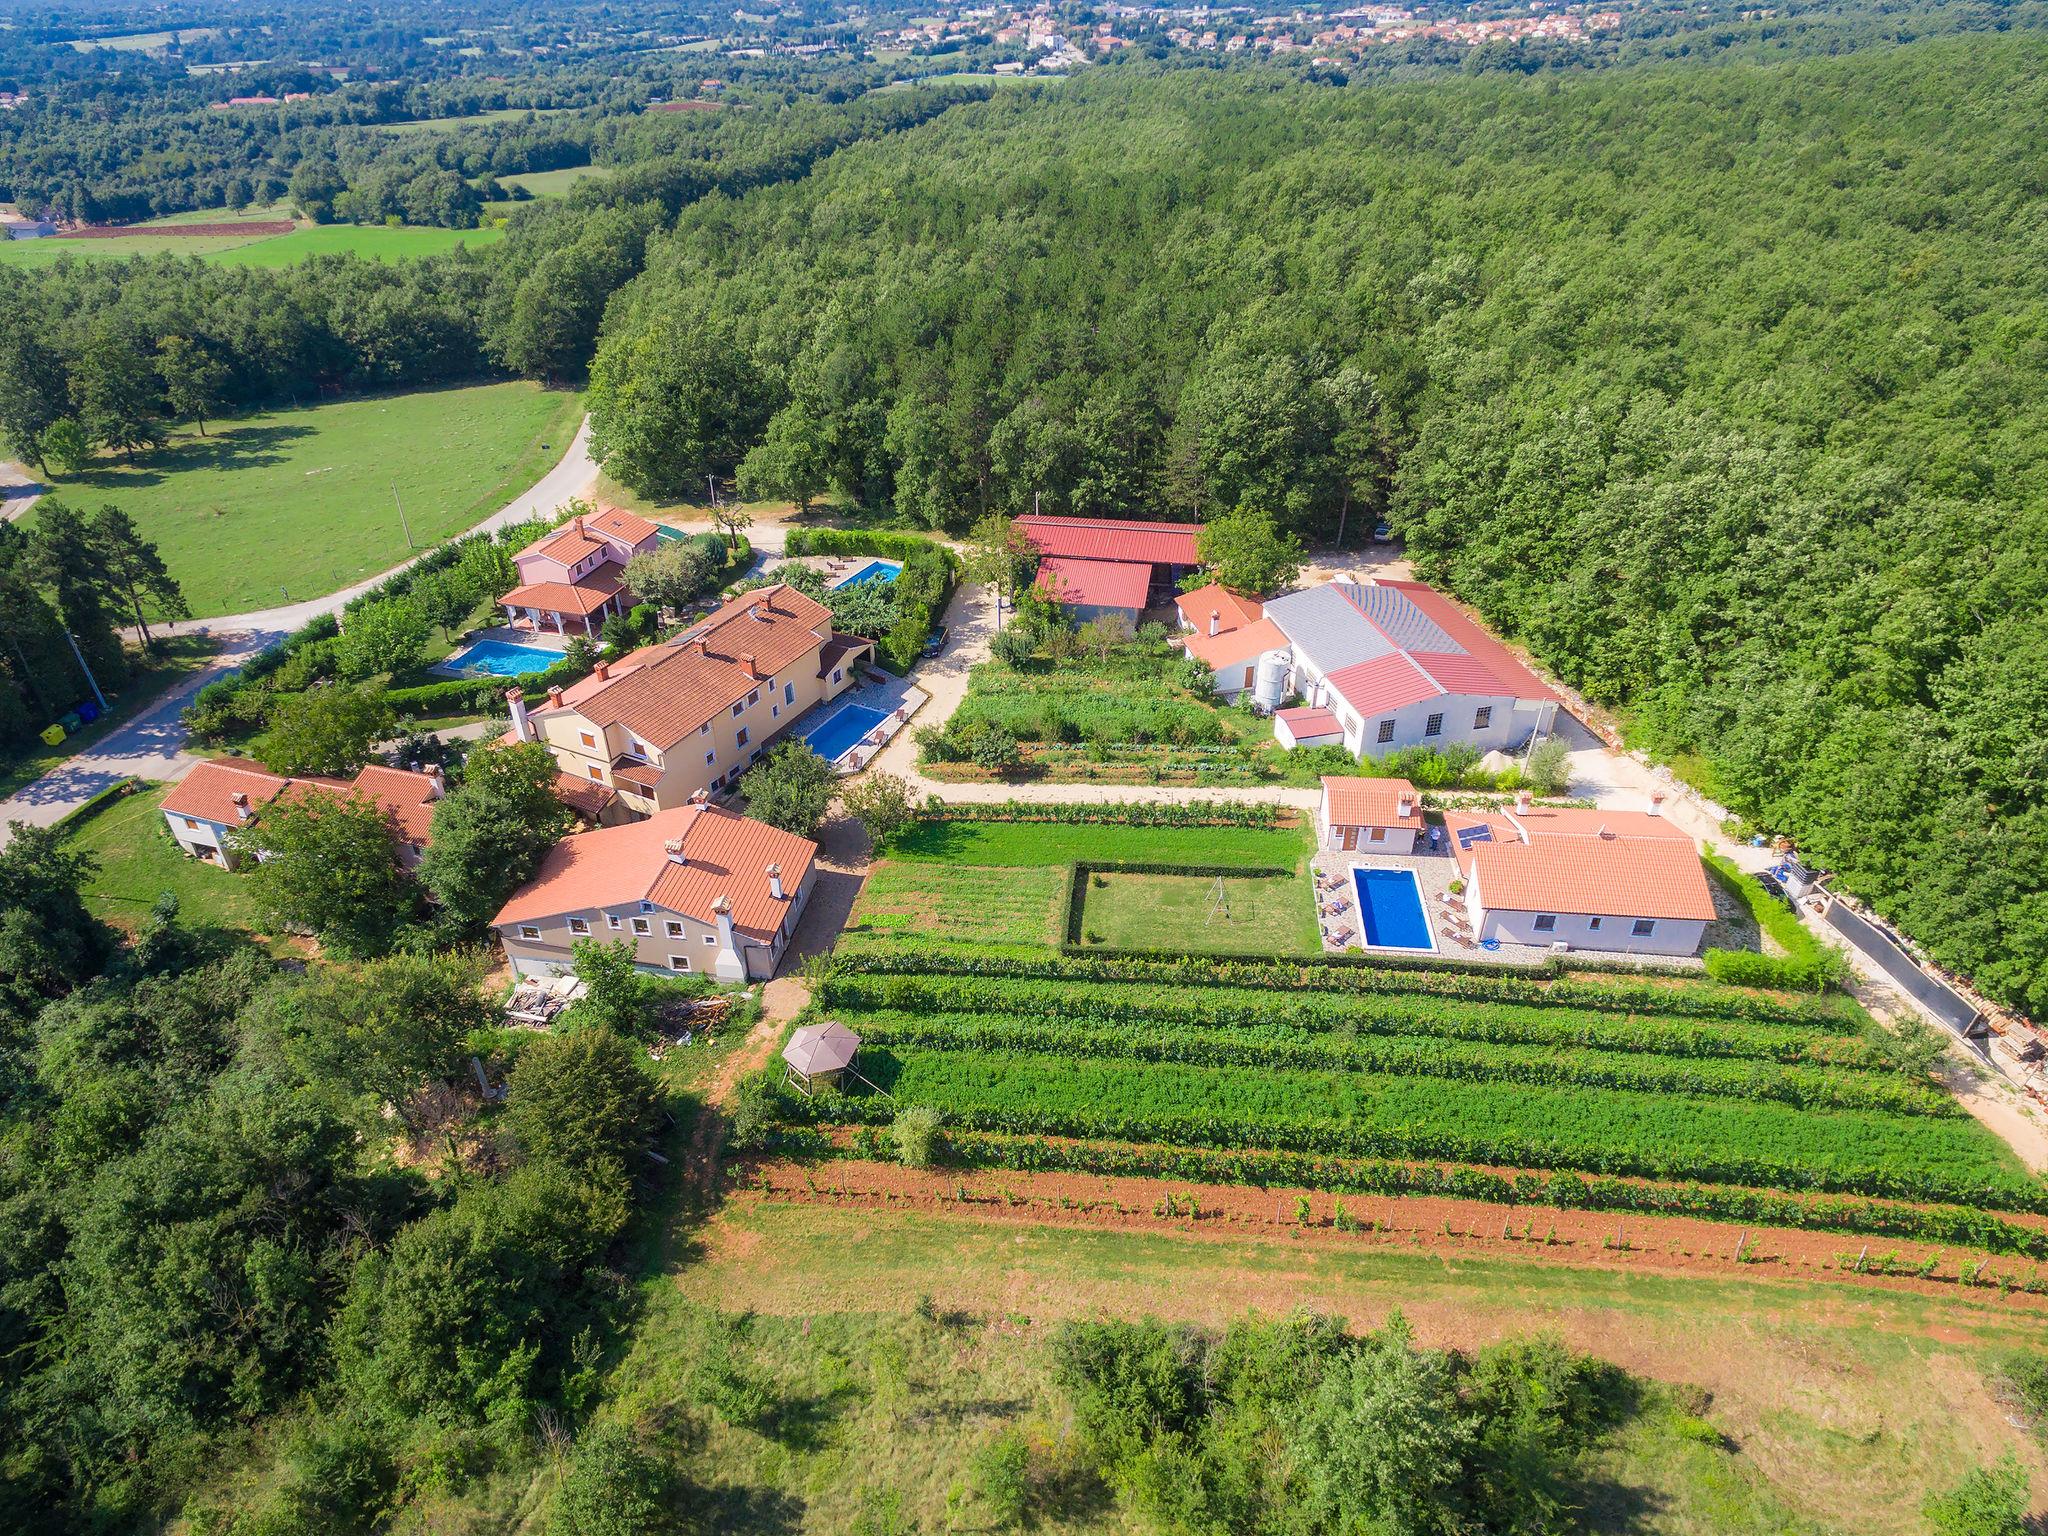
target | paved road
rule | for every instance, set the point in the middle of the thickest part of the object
(152, 746)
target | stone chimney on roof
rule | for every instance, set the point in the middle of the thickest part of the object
(700, 797)
(1524, 802)
(555, 696)
(579, 522)
(1215, 620)
(601, 671)
(1404, 805)
(775, 881)
(521, 726)
(1657, 803)
(241, 799)
(747, 661)
(673, 847)
(437, 782)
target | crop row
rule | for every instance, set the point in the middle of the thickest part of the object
(1591, 1129)
(1076, 1035)
(1678, 999)
(1946, 1224)
(1374, 1014)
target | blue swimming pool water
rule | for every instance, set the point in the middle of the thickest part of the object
(874, 570)
(835, 735)
(1390, 904)
(501, 658)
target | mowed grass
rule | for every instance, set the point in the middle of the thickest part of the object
(1256, 915)
(1822, 1412)
(375, 242)
(552, 183)
(958, 904)
(139, 861)
(499, 115)
(1042, 842)
(292, 504)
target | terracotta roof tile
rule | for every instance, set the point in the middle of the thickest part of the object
(724, 854)
(1357, 801)
(583, 596)
(1642, 867)
(208, 792)
(1309, 722)
(1110, 538)
(1234, 645)
(1232, 611)
(1094, 583)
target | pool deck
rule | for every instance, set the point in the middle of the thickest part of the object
(889, 695)
(503, 633)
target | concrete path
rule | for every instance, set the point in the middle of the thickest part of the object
(152, 746)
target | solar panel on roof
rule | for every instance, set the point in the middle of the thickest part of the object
(1467, 836)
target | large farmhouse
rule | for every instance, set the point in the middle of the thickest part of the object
(696, 889)
(665, 721)
(1380, 666)
(211, 805)
(1614, 880)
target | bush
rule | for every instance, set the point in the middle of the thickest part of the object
(613, 1488)
(1990, 1501)
(1001, 1474)
(915, 1131)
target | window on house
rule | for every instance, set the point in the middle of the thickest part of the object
(595, 772)
(193, 825)
(675, 929)
(1376, 835)
(753, 756)
(1482, 717)
(710, 938)
(1643, 928)
(679, 962)
(640, 926)
(1386, 731)
(1593, 925)
(528, 931)
(741, 740)
(586, 738)
(1546, 922)
(736, 708)
(753, 698)
(1249, 673)
(789, 693)
(1433, 726)
(710, 758)
(704, 729)
(613, 919)
(579, 925)
(835, 674)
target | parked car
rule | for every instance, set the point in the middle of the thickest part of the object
(937, 642)
(1382, 530)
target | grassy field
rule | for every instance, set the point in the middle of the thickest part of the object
(1033, 842)
(371, 241)
(1826, 1413)
(1267, 915)
(500, 115)
(553, 183)
(291, 504)
(139, 862)
(960, 904)
(142, 42)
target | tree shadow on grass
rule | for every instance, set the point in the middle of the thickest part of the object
(256, 446)
(755, 1511)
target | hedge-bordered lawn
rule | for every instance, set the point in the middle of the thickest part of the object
(1258, 915)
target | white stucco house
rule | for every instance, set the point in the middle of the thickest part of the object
(1628, 882)
(1361, 815)
(208, 809)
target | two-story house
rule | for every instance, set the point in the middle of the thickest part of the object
(573, 579)
(694, 713)
(695, 889)
(207, 808)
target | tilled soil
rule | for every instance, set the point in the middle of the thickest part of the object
(1235, 1213)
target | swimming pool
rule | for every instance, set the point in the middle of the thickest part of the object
(839, 732)
(501, 658)
(874, 570)
(1390, 904)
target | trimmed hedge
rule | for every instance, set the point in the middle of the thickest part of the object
(1807, 964)
(120, 789)
(920, 591)
(1124, 813)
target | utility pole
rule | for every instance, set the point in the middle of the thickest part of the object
(712, 481)
(401, 516)
(80, 655)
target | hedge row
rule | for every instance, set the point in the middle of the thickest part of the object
(1309, 1013)
(1565, 1191)
(1132, 813)
(920, 591)
(1807, 964)
(1338, 973)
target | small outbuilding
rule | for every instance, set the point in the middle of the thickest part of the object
(818, 1055)
(1369, 815)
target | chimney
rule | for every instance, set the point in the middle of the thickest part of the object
(673, 847)
(579, 522)
(699, 646)
(241, 806)
(700, 797)
(762, 609)
(1524, 802)
(1606, 831)
(721, 909)
(775, 881)
(1215, 620)
(601, 671)
(555, 698)
(1657, 803)
(521, 726)
(1404, 807)
(747, 661)
(437, 782)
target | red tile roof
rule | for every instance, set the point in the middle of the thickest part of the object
(1386, 682)
(586, 797)
(1364, 802)
(1308, 722)
(208, 792)
(628, 527)
(584, 596)
(1489, 666)
(406, 797)
(1106, 538)
(1234, 645)
(1094, 583)
(1599, 863)
(1232, 611)
(661, 693)
(724, 854)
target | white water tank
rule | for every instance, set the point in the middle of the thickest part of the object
(1269, 689)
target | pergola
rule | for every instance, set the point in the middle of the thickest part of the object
(817, 1054)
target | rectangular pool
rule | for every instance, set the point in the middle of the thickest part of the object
(501, 658)
(874, 570)
(840, 732)
(1391, 910)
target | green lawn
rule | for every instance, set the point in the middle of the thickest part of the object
(553, 183)
(1037, 842)
(500, 115)
(1271, 915)
(959, 904)
(372, 241)
(139, 861)
(292, 504)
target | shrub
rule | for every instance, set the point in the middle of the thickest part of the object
(1989, 1501)
(614, 1488)
(1550, 766)
(915, 1131)
(1001, 1472)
